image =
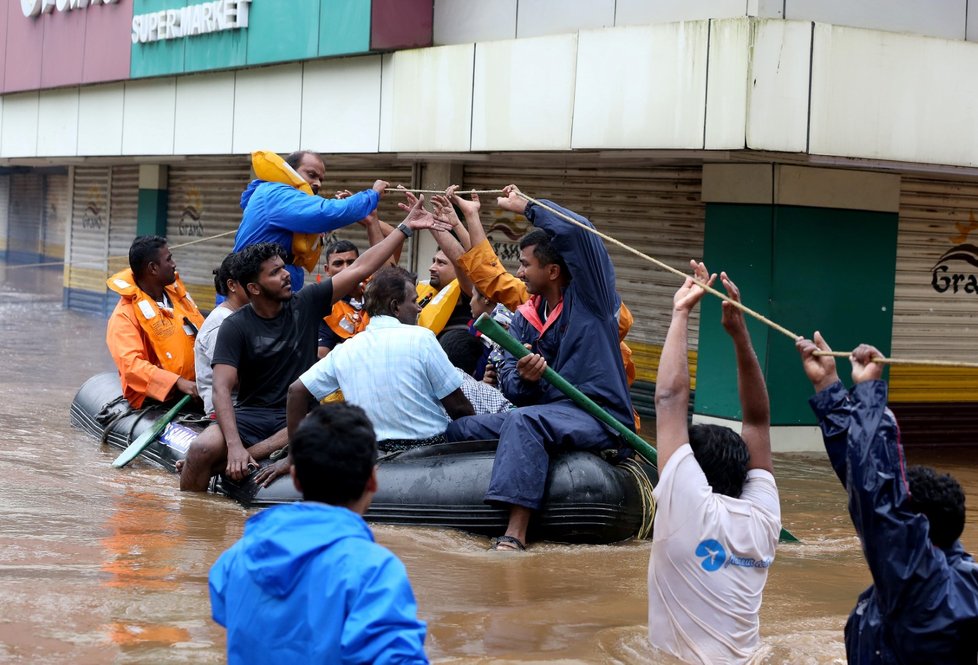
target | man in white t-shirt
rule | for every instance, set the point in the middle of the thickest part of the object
(235, 297)
(717, 513)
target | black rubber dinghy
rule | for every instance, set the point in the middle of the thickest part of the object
(587, 500)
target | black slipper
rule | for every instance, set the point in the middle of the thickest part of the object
(517, 546)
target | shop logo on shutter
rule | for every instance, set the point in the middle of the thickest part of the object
(957, 269)
(193, 209)
(504, 234)
(92, 216)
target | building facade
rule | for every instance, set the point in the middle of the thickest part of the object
(823, 152)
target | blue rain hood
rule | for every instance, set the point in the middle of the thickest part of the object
(308, 584)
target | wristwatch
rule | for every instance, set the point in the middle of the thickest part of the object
(405, 229)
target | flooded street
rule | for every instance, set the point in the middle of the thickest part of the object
(99, 565)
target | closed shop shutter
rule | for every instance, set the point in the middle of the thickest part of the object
(204, 200)
(4, 212)
(123, 212)
(26, 214)
(87, 265)
(656, 210)
(358, 174)
(57, 211)
(936, 298)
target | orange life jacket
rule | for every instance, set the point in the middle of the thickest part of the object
(270, 167)
(440, 306)
(346, 320)
(172, 346)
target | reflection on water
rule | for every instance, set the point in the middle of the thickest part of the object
(101, 565)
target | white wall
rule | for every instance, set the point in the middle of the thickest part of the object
(18, 131)
(57, 114)
(641, 87)
(341, 105)
(204, 116)
(468, 21)
(771, 85)
(897, 97)
(100, 114)
(523, 94)
(935, 18)
(148, 117)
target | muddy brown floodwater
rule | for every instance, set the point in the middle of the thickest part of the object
(99, 565)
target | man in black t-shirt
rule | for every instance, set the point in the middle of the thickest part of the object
(263, 347)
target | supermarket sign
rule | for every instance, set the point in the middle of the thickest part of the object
(38, 7)
(199, 19)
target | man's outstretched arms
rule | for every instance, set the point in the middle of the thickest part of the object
(754, 402)
(672, 380)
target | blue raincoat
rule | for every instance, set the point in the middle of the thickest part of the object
(308, 584)
(580, 342)
(273, 211)
(923, 604)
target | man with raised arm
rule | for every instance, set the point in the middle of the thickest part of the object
(717, 515)
(264, 347)
(478, 266)
(151, 332)
(569, 323)
(923, 604)
(278, 212)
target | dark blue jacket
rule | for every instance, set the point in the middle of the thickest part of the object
(307, 584)
(273, 211)
(923, 604)
(582, 345)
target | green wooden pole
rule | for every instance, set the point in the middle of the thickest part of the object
(488, 327)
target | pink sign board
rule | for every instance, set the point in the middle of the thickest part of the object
(59, 48)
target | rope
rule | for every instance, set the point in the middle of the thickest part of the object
(442, 191)
(117, 257)
(743, 308)
(644, 486)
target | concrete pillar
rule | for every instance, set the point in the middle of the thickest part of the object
(151, 213)
(811, 249)
(434, 175)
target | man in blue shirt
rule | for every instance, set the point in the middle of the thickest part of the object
(923, 604)
(570, 324)
(307, 583)
(274, 211)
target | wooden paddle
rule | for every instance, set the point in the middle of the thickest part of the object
(488, 327)
(149, 436)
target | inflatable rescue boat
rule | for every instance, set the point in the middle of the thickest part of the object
(587, 500)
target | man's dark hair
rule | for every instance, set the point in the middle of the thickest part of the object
(463, 349)
(545, 252)
(722, 455)
(387, 285)
(247, 267)
(295, 158)
(143, 251)
(334, 451)
(223, 273)
(340, 247)
(941, 500)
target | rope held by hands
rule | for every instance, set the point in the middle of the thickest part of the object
(743, 308)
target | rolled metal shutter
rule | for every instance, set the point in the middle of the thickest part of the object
(204, 201)
(57, 211)
(933, 317)
(26, 215)
(4, 212)
(656, 210)
(356, 175)
(87, 264)
(123, 214)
